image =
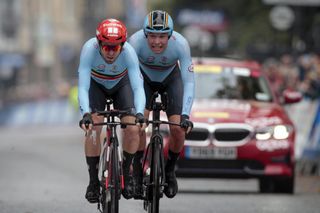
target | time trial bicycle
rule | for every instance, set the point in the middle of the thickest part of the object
(111, 181)
(154, 179)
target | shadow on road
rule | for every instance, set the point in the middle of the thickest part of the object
(236, 192)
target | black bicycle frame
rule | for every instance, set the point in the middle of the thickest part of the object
(153, 186)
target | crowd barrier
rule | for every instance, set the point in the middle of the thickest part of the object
(46, 112)
(302, 115)
(310, 159)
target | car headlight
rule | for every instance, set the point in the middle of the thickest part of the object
(278, 132)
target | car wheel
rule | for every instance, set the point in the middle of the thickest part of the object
(266, 185)
(285, 185)
(269, 185)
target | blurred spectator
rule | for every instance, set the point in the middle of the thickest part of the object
(302, 74)
(271, 66)
(305, 66)
(10, 65)
(310, 86)
(289, 72)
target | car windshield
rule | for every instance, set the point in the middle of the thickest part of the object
(231, 83)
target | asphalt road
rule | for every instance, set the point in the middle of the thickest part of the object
(43, 170)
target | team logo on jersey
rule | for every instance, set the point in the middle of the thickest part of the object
(101, 66)
(114, 68)
(164, 60)
(150, 59)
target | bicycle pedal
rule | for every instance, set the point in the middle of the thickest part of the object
(161, 194)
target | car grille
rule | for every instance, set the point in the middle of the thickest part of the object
(231, 134)
(220, 133)
(198, 134)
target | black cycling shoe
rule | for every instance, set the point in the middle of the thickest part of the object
(171, 189)
(93, 192)
(137, 187)
(127, 191)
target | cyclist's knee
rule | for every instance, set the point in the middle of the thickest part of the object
(132, 131)
(177, 132)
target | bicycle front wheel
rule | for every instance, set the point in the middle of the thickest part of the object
(113, 191)
(154, 201)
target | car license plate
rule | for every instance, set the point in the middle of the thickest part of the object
(211, 152)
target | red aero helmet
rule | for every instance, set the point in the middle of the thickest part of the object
(111, 31)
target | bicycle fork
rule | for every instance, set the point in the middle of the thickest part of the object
(148, 158)
(162, 168)
(115, 151)
(111, 149)
(113, 143)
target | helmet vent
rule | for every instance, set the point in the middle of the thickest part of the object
(158, 27)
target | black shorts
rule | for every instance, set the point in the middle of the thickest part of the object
(121, 95)
(172, 85)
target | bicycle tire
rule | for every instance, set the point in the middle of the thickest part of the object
(154, 202)
(103, 167)
(106, 194)
(113, 192)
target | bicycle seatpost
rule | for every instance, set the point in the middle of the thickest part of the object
(153, 100)
(165, 101)
(158, 106)
(109, 102)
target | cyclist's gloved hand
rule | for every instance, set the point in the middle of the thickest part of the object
(185, 123)
(86, 122)
(140, 119)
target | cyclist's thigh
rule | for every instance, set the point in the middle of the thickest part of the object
(174, 88)
(97, 96)
(123, 98)
(148, 91)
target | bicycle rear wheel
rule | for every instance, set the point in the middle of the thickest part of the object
(112, 190)
(154, 198)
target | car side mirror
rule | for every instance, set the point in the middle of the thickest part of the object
(291, 96)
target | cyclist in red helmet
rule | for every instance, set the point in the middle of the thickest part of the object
(109, 67)
(111, 33)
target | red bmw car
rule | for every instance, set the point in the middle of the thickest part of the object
(241, 129)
